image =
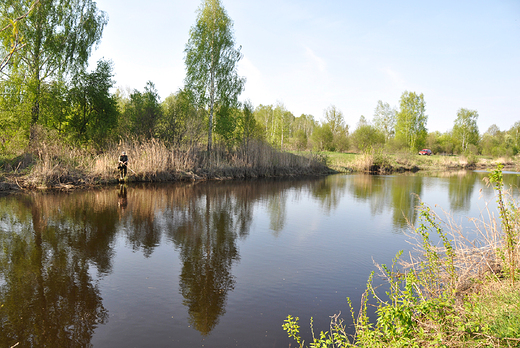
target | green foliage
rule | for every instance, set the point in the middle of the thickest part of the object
(58, 37)
(367, 137)
(143, 111)
(497, 312)
(93, 110)
(323, 138)
(465, 130)
(211, 63)
(411, 120)
(180, 122)
(384, 119)
(247, 127)
(226, 123)
(509, 217)
(336, 338)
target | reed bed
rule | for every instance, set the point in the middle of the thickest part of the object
(153, 161)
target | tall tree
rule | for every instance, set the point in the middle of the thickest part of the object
(94, 109)
(58, 37)
(211, 61)
(465, 129)
(143, 111)
(10, 32)
(384, 119)
(334, 118)
(181, 121)
(247, 123)
(411, 120)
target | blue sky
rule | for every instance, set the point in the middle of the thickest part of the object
(309, 55)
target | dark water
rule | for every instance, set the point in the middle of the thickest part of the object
(217, 264)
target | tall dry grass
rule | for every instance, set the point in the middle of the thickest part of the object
(152, 160)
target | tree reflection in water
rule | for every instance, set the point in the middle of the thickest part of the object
(51, 245)
(47, 294)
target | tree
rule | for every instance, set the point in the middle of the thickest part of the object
(58, 37)
(322, 138)
(493, 142)
(334, 118)
(366, 136)
(264, 115)
(94, 109)
(384, 119)
(514, 136)
(465, 129)
(211, 61)
(16, 38)
(181, 121)
(410, 127)
(143, 111)
(247, 125)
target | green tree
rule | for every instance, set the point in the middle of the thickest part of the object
(282, 120)
(366, 136)
(514, 136)
(410, 127)
(465, 129)
(384, 119)
(247, 126)
(94, 110)
(58, 37)
(263, 116)
(493, 142)
(305, 123)
(181, 122)
(143, 111)
(322, 138)
(211, 61)
(10, 32)
(334, 117)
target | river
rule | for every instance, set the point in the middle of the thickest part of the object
(207, 264)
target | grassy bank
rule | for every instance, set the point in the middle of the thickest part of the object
(54, 165)
(382, 163)
(463, 292)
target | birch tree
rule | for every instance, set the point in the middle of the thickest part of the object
(211, 61)
(58, 36)
(411, 120)
(465, 129)
(384, 119)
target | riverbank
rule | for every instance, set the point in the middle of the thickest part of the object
(55, 166)
(381, 163)
(60, 167)
(463, 291)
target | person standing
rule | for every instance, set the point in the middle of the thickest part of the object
(123, 165)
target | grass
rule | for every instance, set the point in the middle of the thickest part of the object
(377, 161)
(462, 292)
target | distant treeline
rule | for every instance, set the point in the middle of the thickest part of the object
(44, 82)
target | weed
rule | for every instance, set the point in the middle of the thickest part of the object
(446, 296)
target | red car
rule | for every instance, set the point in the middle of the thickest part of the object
(426, 152)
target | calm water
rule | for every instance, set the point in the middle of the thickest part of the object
(217, 264)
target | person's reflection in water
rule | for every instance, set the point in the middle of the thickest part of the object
(122, 201)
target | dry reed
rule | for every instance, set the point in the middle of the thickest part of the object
(153, 161)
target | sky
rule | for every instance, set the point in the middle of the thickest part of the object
(311, 54)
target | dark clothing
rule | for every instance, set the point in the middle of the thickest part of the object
(123, 163)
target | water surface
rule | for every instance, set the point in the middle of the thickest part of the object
(215, 264)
